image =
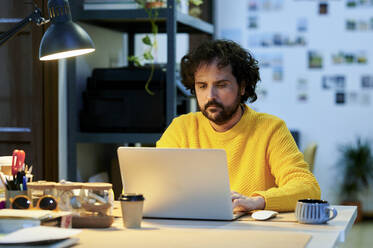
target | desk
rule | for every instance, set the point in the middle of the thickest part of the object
(239, 233)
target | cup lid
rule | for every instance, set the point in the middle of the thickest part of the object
(312, 201)
(131, 197)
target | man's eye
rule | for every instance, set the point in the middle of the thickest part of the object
(221, 85)
(202, 86)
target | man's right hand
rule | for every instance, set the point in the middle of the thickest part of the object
(241, 203)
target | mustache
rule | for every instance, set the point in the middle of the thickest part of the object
(213, 103)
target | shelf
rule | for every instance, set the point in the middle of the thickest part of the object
(131, 21)
(113, 138)
(196, 24)
(136, 20)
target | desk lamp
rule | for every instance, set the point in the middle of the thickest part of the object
(63, 39)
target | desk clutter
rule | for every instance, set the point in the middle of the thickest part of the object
(44, 212)
(89, 205)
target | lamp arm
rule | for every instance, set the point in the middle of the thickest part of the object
(35, 16)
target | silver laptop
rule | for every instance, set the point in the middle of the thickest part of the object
(178, 183)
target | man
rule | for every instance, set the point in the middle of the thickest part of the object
(266, 169)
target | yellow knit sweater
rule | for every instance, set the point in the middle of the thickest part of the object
(263, 158)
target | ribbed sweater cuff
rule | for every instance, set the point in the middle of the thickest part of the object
(272, 202)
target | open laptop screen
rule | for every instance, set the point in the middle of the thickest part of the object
(178, 183)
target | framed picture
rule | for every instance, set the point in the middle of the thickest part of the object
(339, 97)
(315, 59)
(323, 8)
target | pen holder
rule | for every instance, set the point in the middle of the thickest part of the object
(10, 194)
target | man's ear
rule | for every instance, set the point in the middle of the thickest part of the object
(242, 88)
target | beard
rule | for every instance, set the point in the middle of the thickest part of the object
(221, 114)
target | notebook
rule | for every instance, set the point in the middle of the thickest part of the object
(178, 183)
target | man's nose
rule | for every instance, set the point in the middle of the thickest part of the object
(211, 94)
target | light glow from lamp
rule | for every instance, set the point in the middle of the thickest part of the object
(68, 54)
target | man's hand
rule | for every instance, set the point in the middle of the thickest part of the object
(243, 203)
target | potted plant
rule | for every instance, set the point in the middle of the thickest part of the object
(357, 165)
(151, 6)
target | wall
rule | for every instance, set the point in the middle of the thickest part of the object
(62, 120)
(318, 102)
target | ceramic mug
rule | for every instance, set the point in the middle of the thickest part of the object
(310, 211)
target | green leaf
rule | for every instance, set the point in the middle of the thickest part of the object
(196, 2)
(137, 63)
(131, 58)
(135, 60)
(148, 55)
(146, 40)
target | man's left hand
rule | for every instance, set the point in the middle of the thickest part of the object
(242, 203)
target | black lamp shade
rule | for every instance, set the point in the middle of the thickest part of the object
(63, 38)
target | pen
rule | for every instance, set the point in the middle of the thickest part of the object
(24, 183)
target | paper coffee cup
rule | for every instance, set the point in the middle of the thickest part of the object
(132, 206)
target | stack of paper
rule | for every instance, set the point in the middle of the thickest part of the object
(14, 219)
(42, 236)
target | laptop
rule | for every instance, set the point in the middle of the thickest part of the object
(178, 183)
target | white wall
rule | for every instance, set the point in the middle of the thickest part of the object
(62, 120)
(319, 118)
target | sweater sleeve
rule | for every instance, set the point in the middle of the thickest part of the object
(292, 175)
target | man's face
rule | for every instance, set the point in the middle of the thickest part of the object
(217, 91)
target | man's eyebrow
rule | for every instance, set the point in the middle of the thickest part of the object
(221, 81)
(215, 82)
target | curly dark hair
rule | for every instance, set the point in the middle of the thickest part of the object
(244, 67)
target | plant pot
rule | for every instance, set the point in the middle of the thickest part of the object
(153, 5)
(359, 216)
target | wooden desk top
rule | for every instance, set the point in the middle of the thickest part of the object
(242, 233)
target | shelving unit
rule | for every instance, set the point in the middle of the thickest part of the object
(131, 21)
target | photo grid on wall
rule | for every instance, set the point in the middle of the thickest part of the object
(344, 72)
